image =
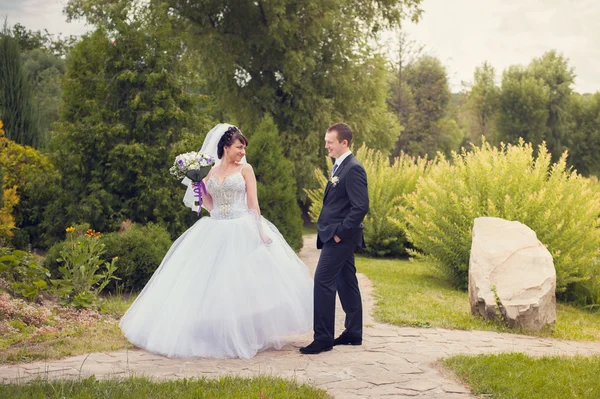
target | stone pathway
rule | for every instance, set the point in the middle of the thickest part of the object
(393, 361)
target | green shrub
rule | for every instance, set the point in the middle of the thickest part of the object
(509, 182)
(25, 277)
(388, 182)
(276, 185)
(36, 181)
(82, 273)
(51, 260)
(140, 250)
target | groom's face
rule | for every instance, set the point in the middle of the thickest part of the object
(334, 148)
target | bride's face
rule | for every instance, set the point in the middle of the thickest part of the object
(236, 151)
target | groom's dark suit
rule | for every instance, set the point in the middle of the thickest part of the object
(345, 205)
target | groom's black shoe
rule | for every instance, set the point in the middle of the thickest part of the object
(345, 339)
(316, 347)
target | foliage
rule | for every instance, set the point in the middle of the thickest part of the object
(483, 103)
(275, 182)
(32, 183)
(28, 40)
(81, 277)
(45, 72)
(140, 250)
(425, 99)
(416, 293)
(7, 222)
(509, 182)
(26, 278)
(141, 388)
(523, 112)
(534, 103)
(125, 107)
(307, 64)
(548, 377)
(584, 139)
(21, 121)
(553, 69)
(388, 183)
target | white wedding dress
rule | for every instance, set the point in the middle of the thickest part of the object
(221, 291)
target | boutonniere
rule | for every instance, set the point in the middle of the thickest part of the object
(334, 180)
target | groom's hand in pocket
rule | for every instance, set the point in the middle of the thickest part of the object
(337, 239)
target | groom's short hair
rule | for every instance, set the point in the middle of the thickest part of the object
(343, 132)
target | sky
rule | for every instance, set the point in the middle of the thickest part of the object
(461, 33)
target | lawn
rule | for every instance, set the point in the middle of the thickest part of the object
(415, 293)
(143, 388)
(516, 375)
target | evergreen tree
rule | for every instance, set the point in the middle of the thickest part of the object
(21, 121)
(275, 182)
(125, 108)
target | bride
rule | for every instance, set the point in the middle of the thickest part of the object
(230, 286)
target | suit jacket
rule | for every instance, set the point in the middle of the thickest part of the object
(345, 205)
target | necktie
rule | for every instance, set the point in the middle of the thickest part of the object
(335, 166)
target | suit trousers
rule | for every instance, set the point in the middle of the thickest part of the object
(336, 272)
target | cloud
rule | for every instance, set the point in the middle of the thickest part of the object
(40, 15)
(465, 33)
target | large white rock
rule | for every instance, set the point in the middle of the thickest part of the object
(511, 275)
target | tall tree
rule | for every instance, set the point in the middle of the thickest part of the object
(125, 107)
(584, 140)
(30, 40)
(21, 121)
(553, 69)
(523, 109)
(483, 102)
(45, 72)
(301, 61)
(426, 103)
(275, 182)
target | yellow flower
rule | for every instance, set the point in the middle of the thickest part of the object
(116, 258)
(70, 229)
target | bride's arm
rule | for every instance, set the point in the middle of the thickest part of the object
(251, 190)
(207, 201)
(252, 194)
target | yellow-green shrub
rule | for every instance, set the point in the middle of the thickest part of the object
(34, 180)
(388, 182)
(512, 183)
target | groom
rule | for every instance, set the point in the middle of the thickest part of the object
(340, 228)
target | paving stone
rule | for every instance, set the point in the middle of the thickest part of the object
(393, 362)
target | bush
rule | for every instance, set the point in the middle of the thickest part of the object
(276, 185)
(388, 182)
(35, 180)
(23, 274)
(140, 250)
(51, 260)
(82, 273)
(509, 182)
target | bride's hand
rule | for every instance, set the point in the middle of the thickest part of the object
(265, 239)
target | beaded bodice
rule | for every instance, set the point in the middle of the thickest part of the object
(229, 196)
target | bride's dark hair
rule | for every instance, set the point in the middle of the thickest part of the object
(228, 138)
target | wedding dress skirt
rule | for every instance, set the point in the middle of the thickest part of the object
(221, 291)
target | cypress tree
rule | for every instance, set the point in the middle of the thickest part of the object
(21, 121)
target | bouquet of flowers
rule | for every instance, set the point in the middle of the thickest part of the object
(195, 166)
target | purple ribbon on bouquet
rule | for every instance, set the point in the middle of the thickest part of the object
(199, 187)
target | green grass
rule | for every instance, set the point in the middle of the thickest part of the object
(309, 229)
(143, 388)
(416, 293)
(517, 375)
